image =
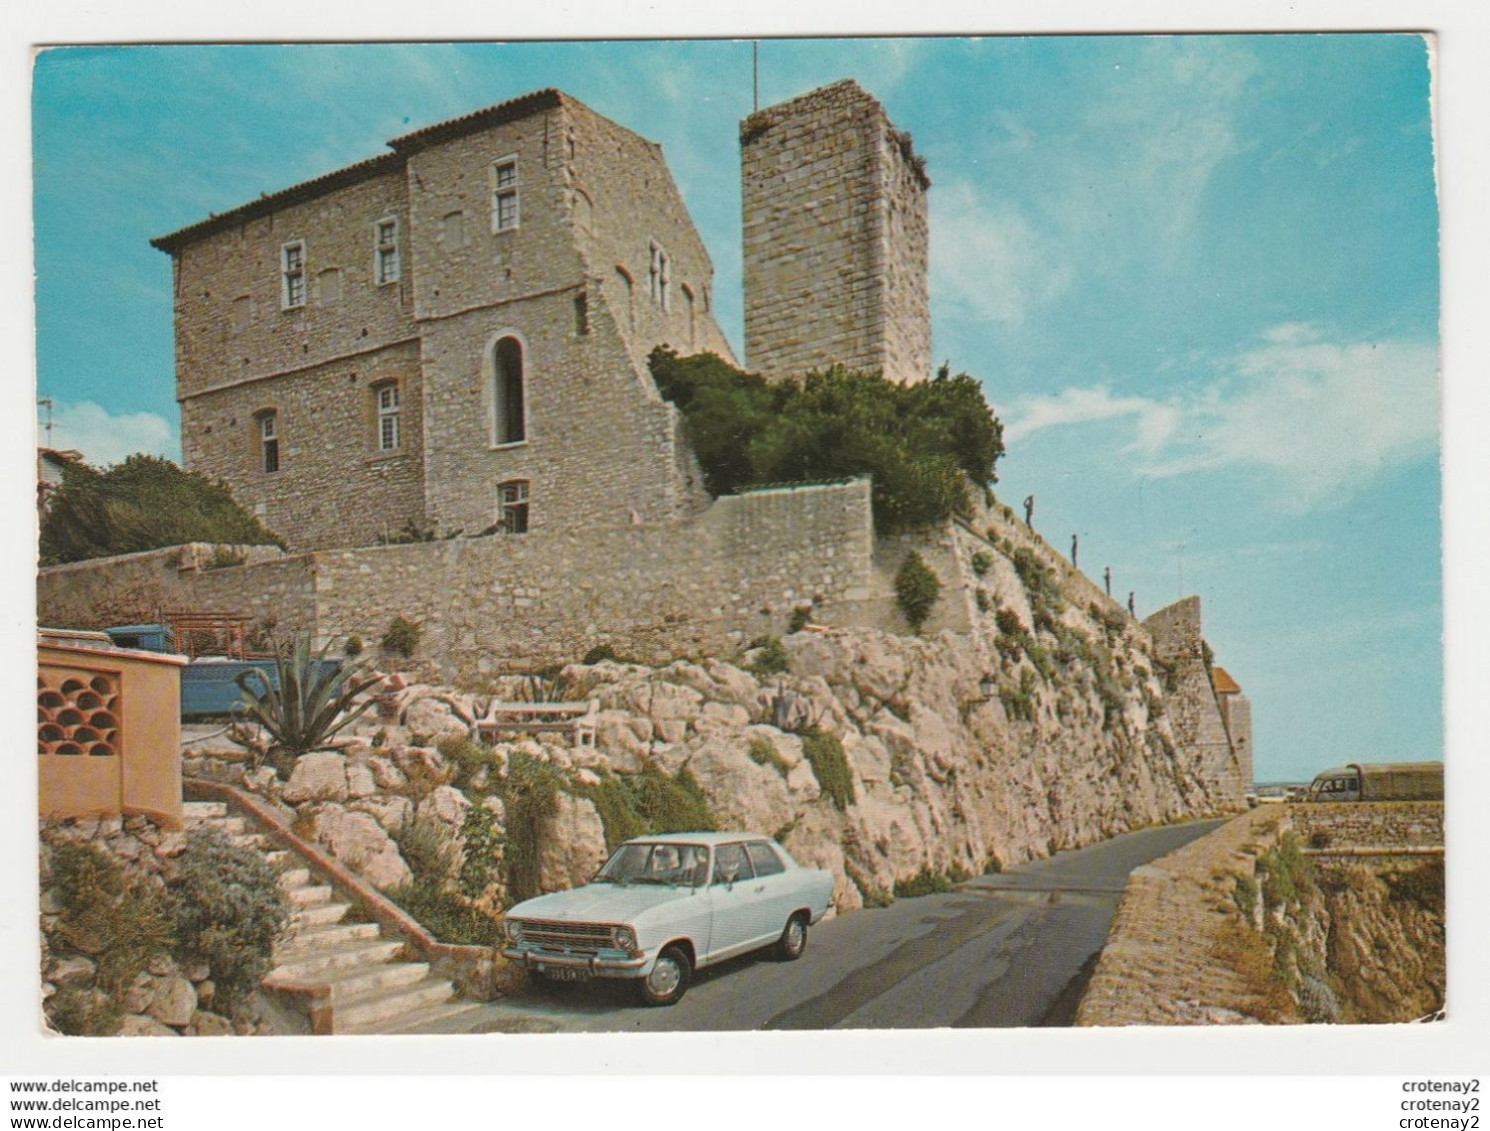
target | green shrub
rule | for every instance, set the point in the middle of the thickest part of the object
(223, 557)
(1244, 894)
(984, 601)
(481, 852)
(825, 755)
(468, 758)
(924, 882)
(637, 804)
(426, 847)
(117, 919)
(228, 911)
(599, 654)
(801, 618)
(1009, 624)
(144, 503)
(312, 702)
(530, 796)
(1287, 875)
(770, 657)
(982, 562)
(402, 638)
(445, 915)
(921, 443)
(352, 647)
(762, 753)
(916, 590)
(1019, 702)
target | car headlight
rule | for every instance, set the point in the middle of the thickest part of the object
(514, 929)
(624, 938)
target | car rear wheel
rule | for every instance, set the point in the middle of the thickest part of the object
(668, 979)
(793, 939)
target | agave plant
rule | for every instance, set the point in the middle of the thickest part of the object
(313, 699)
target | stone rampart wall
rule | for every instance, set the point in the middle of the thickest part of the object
(706, 585)
(1369, 824)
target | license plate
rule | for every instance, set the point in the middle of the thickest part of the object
(565, 973)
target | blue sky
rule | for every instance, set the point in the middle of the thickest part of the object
(1197, 276)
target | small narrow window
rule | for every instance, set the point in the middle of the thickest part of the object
(512, 503)
(582, 313)
(629, 289)
(388, 424)
(659, 277)
(385, 266)
(511, 423)
(328, 286)
(292, 272)
(504, 214)
(269, 441)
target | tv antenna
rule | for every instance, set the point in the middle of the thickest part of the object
(46, 403)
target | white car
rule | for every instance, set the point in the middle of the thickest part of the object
(664, 906)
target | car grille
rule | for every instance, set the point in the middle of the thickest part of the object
(572, 938)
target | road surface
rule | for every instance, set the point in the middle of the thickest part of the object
(1006, 950)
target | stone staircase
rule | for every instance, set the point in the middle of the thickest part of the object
(373, 989)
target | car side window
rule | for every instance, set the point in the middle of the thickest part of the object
(764, 859)
(731, 864)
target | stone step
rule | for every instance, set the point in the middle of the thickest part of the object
(294, 878)
(308, 894)
(352, 985)
(280, 857)
(312, 939)
(442, 1018)
(317, 914)
(320, 963)
(382, 1012)
(194, 812)
(228, 826)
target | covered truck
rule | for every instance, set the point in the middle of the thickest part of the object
(1380, 781)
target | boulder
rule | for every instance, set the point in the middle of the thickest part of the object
(321, 776)
(424, 767)
(362, 844)
(139, 1025)
(386, 774)
(360, 780)
(742, 793)
(446, 804)
(174, 1001)
(390, 812)
(204, 1024)
(572, 845)
(138, 997)
(74, 972)
(429, 720)
(261, 780)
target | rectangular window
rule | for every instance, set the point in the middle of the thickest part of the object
(453, 231)
(269, 441)
(292, 273)
(659, 277)
(385, 267)
(504, 194)
(388, 437)
(512, 499)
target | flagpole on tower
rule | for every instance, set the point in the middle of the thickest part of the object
(755, 74)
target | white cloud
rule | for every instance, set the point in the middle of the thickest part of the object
(104, 438)
(1321, 417)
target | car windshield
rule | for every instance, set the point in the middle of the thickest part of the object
(686, 865)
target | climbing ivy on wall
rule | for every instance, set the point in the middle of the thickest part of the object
(922, 444)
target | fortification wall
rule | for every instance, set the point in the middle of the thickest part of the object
(705, 585)
(1369, 824)
(1191, 700)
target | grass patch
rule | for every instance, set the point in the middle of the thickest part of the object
(824, 753)
(640, 804)
(762, 753)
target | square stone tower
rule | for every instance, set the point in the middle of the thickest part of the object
(835, 248)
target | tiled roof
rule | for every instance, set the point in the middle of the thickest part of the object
(1223, 683)
(509, 111)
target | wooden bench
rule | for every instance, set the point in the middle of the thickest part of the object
(538, 718)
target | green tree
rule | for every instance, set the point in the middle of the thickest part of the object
(922, 444)
(143, 503)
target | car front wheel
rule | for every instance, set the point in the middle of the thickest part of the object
(668, 979)
(793, 939)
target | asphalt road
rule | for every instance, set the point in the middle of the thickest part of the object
(1007, 950)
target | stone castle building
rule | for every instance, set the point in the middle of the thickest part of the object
(453, 336)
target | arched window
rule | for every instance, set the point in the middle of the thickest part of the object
(511, 422)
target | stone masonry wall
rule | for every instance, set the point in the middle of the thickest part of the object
(835, 239)
(709, 584)
(1198, 725)
(1370, 824)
